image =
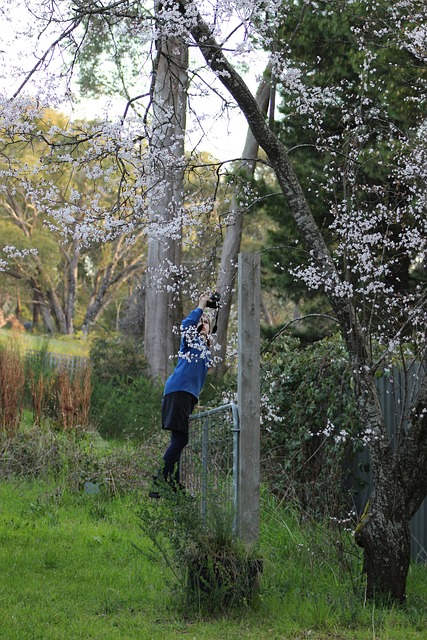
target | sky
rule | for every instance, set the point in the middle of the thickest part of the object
(225, 137)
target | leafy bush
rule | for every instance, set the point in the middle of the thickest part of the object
(126, 408)
(310, 423)
(117, 359)
(125, 400)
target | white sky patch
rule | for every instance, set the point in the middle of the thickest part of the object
(210, 128)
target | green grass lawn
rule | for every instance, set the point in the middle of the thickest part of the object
(78, 567)
(69, 345)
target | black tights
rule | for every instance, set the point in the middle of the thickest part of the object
(171, 458)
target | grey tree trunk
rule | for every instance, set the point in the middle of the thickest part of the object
(166, 196)
(383, 531)
(41, 310)
(231, 247)
(71, 288)
(400, 486)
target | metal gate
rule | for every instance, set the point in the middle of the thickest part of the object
(209, 463)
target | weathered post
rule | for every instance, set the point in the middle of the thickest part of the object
(248, 391)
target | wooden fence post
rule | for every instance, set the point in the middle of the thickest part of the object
(248, 391)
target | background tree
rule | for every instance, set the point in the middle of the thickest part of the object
(360, 153)
(63, 277)
(163, 308)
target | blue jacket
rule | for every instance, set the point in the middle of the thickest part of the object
(194, 358)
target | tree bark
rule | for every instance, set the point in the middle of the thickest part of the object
(384, 535)
(166, 196)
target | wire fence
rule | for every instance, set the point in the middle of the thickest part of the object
(70, 363)
(209, 463)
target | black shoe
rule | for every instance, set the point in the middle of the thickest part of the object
(154, 494)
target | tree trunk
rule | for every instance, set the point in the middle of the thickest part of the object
(56, 309)
(399, 489)
(49, 293)
(231, 247)
(385, 537)
(166, 195)
(40, 309)
(71, 289)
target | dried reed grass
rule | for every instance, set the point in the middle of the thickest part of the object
(74, 393)
(12, 383)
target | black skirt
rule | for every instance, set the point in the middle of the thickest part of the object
(176, 410)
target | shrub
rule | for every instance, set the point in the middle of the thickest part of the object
(125, 400)
(309, 424)
(129, 408)
(215, 572)
(74, 459)
(117, 359)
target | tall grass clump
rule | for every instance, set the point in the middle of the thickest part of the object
(215, 573)
(56, 393)
(12, 383)
(41, 376)
(74, 397)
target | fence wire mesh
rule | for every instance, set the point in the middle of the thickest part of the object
(209, 463)
(71, 363)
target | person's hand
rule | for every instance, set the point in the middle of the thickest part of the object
(203, 300)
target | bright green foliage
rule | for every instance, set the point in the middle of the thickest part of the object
(308, 449)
